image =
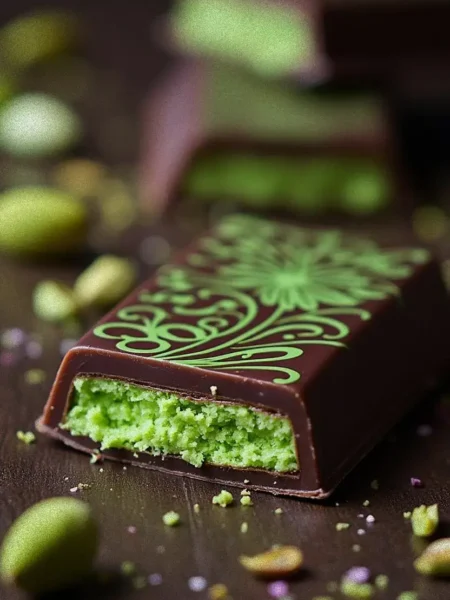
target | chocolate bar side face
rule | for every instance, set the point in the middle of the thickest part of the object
(256, 315)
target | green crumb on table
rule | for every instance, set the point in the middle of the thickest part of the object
(171, 518)
(381, 582)
(435, 559)
(342, 526)
(278, 511)
(117, 414)
(34, 376)
(360, 591)
(223, 499)
(53, 301)
(407, 514)
(408, 596)
(366, 503)
(374, 484)
(356, 548)
(27, 437)
(128, 568)
(244, 527)
(218, 591)
(246, 501)
(197, 508)
(425, 520)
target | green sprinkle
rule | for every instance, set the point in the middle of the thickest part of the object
(27, 437)
(366, 503)
(171, 518)
(128, 568)
(53, 301)
(407, 515)
(246, 501)
(342, 526)
(34, 376)
(245, 493)
(381, 582)
(278, 511)
(223, 499)
(425, 520)
(361, 591)
(196, 508)
(374, 484)
(244, 527)
(408, 596)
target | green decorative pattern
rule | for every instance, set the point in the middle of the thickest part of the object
(256, 295)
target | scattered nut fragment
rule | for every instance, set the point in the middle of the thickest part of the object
(381, 582)
(352, 589)
(246, 501)
(197, 508)
(218, 591)
(278, 511)
(435, 560)
(408, 596)
(276, 562)
(425, 520)
(223, 499)
(171, 518)
(53, 301)
(34, 376)
(342, 526)
(128, 568)
(407, 514)
(51, 545)
(27, 437)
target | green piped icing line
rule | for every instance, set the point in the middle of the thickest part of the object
(271, 41)
(118, 414)
(256, 295)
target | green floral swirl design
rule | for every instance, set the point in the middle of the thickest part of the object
(207, 313)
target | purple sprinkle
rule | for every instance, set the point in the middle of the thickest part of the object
(424, 430)
(197, 584)
(155, 579)
(66, 345)
(7, 359)
(416, 482)
(278, 589)
(131, 529)
(34, 349)
(13, 338)
(358, 575)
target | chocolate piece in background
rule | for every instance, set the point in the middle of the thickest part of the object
(218, 114)
(333, 331)
(272, 39)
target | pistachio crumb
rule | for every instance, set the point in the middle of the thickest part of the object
(246, 501)
(374, 484)
(34, 376)
(171, 518)
(244, 527)
(407, 514)
(342, 526)
(245, 493)
(84, 486)
(366, 503)
(27, 437)
(279, 561)
(425, 520)
(278, 511)
(361, 591)
(218, 591)
(128, 568)
(381, 582)
(408, 596)
(223, 499)
(246, 481)
(196, 508)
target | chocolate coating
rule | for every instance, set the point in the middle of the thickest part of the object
(336, 333)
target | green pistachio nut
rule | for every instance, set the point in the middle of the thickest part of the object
(50, 546)
(105, 282)
(38, 125)
(37, 221)
(424, 520)
(54, 301)
(36, 37)
(435, 560)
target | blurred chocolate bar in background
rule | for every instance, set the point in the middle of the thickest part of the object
(216, 133)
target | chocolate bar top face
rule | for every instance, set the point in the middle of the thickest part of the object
(258, 300)
(270, 37)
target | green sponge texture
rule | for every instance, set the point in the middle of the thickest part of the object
(118, 414)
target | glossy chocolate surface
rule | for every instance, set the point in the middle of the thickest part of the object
(335, 332)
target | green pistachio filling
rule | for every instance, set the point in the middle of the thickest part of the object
(118, 414)
(356, 186)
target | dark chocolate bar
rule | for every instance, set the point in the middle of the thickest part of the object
(214, 134)
(267, 356)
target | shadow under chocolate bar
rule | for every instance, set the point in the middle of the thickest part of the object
(213, 134)
(267, 356)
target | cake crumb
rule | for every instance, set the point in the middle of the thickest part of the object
(171, 518)
(366, 503)
(278, 511)
(246, 481)
(128, 568)
(342, 526)
(223, 499)
(218, 591)
(244, 527)
(246, 501)
(27, 437)
(245, 493)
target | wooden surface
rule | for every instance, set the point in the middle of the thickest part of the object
(207, 544)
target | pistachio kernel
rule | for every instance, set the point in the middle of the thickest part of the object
(171, 518)
(425, 520)
(53, 301)
(435, 560)
(360, 591)
(27, 437)
(276, 562)
(223, 499)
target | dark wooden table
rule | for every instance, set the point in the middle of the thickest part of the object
(207, 544)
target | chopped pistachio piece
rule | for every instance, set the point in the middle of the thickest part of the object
(435, 560)
(34, 376)
(342, 526)
(128, 568)
(27, 437)
(279, 561)
(360, 591)
(171, 518)
(245, 493)
(424, 520)
(246, 501)
(381, 582)
(408, 596)
(218, 591)
(53, 301)
(278, 511)
(244, 527)
(223, 499)
(366, 503)
(407, 514)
